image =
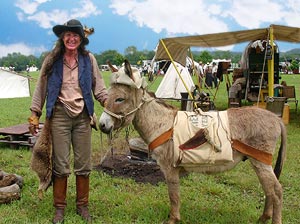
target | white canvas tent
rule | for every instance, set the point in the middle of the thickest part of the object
(13, 85)
(171, 85)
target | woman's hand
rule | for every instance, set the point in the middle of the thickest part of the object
(33, 124)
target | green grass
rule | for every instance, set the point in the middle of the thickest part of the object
(231, 197)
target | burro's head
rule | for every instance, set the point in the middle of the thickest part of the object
(124, 98)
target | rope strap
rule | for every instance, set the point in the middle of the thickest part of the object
(113, 114)
(121, 117)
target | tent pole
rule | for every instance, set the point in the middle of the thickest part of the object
(169, 55)
(192, 58)
(193, 64)
(271, 66)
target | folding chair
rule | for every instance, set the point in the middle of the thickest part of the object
(290, 93)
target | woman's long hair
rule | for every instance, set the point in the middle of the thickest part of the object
(58, 51)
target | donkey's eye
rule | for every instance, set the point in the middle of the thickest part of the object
(119, 100)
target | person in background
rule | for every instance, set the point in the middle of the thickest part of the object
(208, 76)
(69, 78)
(200, 74)
(214, 74)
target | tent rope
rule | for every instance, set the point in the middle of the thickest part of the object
(189, 92)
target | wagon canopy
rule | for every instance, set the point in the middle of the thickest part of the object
(178, 46)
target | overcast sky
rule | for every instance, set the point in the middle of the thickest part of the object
(27, 24)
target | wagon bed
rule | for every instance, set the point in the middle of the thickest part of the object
(17, 135)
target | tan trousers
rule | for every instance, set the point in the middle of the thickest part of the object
(71, 134)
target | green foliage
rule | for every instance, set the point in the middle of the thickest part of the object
(294, 65)
(289, 55)
(134, 56)
(19, 61)
(207, 56)
(204, 56)
(112, 55)
(222, 54)
(231, 197)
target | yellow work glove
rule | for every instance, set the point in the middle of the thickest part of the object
(33, 125)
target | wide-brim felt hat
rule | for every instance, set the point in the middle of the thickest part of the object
(72, 25)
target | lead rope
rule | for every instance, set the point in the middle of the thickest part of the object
(109, 141)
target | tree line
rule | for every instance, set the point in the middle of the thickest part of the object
(21, 62)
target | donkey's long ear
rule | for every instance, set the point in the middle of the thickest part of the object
(127, 69)
(111, 67)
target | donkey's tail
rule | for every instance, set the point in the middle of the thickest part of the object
(281, 152)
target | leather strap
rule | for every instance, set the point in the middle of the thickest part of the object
(252, 152)
(161, 139)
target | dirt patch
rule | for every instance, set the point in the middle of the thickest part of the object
(140, 171)
(123, 163)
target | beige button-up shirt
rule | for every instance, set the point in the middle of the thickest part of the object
(70, 94)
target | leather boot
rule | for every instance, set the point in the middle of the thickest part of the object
(82, 198)
(59, 198)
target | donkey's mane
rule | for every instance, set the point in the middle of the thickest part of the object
(161, 102)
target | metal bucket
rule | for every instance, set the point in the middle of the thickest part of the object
(276, 105)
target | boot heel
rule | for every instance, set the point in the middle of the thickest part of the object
(83, 211)
(59, 216)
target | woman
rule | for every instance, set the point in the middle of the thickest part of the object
(68, 78)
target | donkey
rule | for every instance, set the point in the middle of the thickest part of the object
(255, 128)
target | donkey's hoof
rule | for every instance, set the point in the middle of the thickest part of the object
(263, 219)
(171, 221)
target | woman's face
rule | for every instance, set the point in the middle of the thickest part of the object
(71, 40)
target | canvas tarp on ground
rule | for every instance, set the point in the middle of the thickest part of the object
(13, 85)
(171, 85)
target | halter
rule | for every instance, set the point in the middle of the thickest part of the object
(122, 117)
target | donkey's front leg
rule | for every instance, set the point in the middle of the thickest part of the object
(172, 179)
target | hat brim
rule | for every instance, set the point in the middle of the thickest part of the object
(59, 29)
